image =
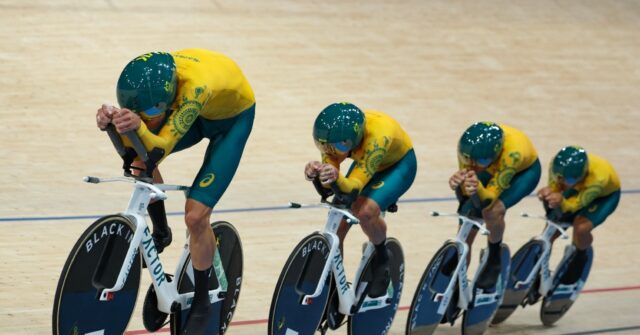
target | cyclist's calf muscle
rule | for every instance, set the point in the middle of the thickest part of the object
(582, 237)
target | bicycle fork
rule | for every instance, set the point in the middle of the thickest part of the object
(142, 242)
(334, 253)
(461, 281)
(106, 293)
(542, 265)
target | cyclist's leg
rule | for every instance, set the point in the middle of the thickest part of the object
(585, 221)
(383, 190)
(343, 229)
(463, 209)
(161, 232)
(494, 220)
(201, 238)
(521, 186)
(193, 136)
(467, 208)
(375, 228)
(228, 138)
(202, 247)
(582, 239)
(595, 214)
(162, 236)
(368, 212)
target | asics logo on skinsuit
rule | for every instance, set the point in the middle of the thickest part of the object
(207, 180)
(377, 185)
(593, 208)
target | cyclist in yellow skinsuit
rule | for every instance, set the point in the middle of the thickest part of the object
(585, 189)
(173, 101)
(499, 164)
(384, 167)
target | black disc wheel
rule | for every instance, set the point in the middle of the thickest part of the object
(95, 262)
(424, 315)
(300, 276)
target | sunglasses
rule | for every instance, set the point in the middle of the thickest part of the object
(154, 111)
(340, 148)
(567, 180)
(481, 162)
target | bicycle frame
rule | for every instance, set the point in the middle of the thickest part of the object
(141, 241)
(460, 276)
(542, 265)
(348, 297)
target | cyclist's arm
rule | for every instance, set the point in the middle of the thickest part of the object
(356, 181)
(582, 199)
(177, 124)
(365, 167)
(501, 181)
(345, 184)
(166, 139)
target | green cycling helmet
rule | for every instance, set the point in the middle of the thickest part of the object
(481, 143)
(571, 164)
(147, 85)
(338, 128)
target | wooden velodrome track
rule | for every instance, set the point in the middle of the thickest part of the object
(565, 72)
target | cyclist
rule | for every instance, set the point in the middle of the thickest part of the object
(499, 164)
(384, 167)
(586, 190)
(173, 101)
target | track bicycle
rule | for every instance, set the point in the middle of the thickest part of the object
(444, 291)
(531, 278)
(99, 283)
(313, 292)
